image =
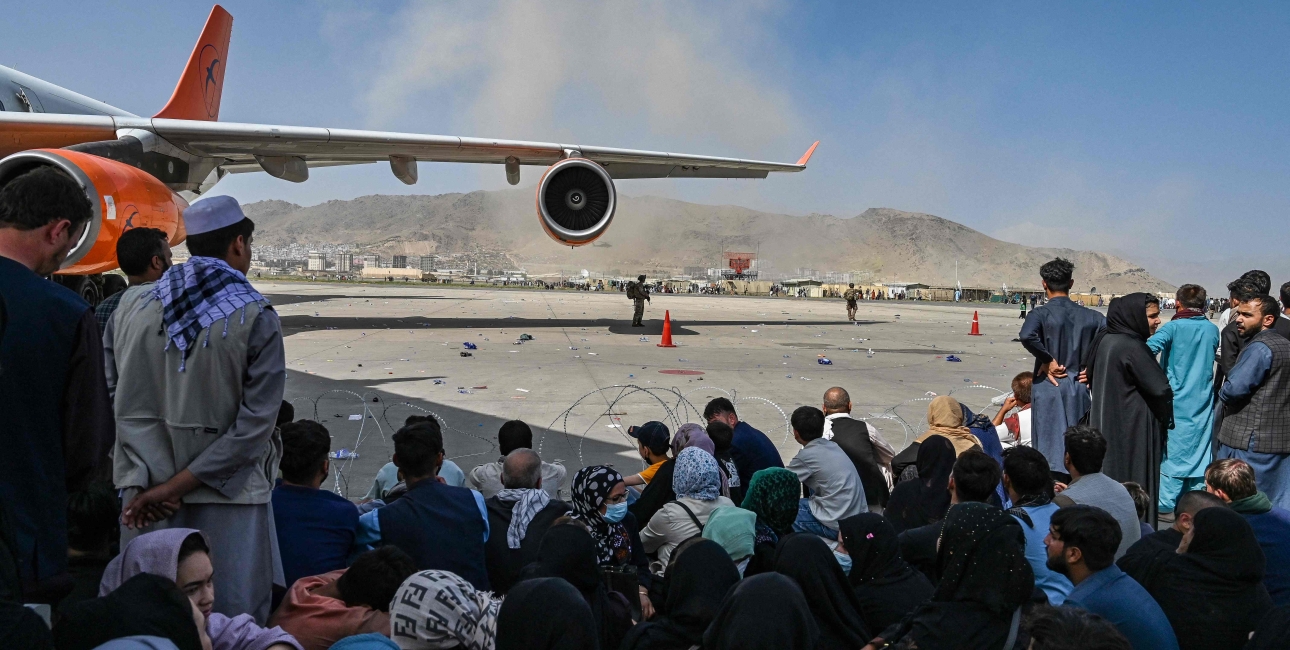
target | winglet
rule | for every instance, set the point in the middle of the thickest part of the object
(197, 95)
(803, 160)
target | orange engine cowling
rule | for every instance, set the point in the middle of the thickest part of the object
(121, 196)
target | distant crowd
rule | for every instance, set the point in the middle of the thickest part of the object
(1130, 492)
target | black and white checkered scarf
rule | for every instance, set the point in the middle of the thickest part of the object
(196, 294)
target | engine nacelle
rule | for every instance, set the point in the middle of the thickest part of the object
(575, 201)
(121, 196)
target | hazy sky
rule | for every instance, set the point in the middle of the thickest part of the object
(1156, 131)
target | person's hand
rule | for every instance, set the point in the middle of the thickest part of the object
(1010, 403)
(441, 479)
(1058, 487)
(873, 645)
(1083, 377)
(647, 608)
(1054, 371)
(148, 507)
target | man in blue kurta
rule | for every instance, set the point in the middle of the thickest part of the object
(1186, 346)
(1057, 334)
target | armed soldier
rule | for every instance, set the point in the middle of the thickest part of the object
(852, 294)
(638, 293)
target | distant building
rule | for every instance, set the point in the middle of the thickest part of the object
(345, 263)
(427, 263)
(366, 261)
(317, 261)
(399, 262)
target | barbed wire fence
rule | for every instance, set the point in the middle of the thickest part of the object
(672, 406)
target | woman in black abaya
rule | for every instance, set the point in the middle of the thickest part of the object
(1133, 405)
(921, 501)
(885, 585)
(545, 614)
(764, 612)
(700, 575)
(807, 559)
(569, 552)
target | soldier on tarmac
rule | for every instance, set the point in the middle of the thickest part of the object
(852, 294)
(638, 293)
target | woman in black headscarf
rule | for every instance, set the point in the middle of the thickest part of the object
(807, 559)
(921, 501)
(697, 580)
(599, 499)
(764, 612)
(984, 581)
(1133, 405)
(1212, 588)
(145, 605)
(886, 586)
(569, 552)
(545, 614)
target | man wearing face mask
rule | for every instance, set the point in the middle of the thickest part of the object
(58, 416)
(143, 254)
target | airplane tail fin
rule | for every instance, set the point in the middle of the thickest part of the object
(197, 95)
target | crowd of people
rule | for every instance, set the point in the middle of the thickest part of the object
(1131, 492)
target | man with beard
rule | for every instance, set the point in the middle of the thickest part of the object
(1081, 545)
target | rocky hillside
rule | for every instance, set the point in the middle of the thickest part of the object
(666, 235)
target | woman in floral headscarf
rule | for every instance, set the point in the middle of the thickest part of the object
(600, 502)
(697, 483)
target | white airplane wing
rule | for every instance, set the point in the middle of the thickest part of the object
(273, 148)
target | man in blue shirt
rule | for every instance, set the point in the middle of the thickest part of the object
(750, 449)
(1081, 542)
(441, 526)
(1029, 486)
(316, 528)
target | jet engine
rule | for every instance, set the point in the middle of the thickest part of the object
(575, 201)
(121, 197)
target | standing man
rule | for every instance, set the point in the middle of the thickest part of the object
(196, 365)
(1057, 334)
(1256, 396)
(143, 254)
(639, 294)
(1186, 347)
(851, 295)
(57, 415)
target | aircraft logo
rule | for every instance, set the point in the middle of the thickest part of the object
(210, 64)
(130, 213)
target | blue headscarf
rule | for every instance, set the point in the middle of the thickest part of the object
(696, 475)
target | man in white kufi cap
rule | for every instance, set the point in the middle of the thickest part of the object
(196, 368)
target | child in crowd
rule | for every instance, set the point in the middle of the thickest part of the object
(653, 438)
(1014, 429)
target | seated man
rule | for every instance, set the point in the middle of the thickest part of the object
(1030, 487)
(652, 439)
(1085, 449)
(1081, 545)
(1185, 509)
(1233, 481)
(1015, 429)
(513, 435)
(321, 610)
(827, 471)
(442, 527)
(91, 527)
(519, 515)
(862, 444)
(751, 450)
(974, 478)
(316, 527)
(388, 484)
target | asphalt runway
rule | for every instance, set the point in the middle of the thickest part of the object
(362, 358)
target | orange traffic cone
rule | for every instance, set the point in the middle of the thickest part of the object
(667, 330)
(976, 326)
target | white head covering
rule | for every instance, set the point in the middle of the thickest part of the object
(212, 214)
(439, 609)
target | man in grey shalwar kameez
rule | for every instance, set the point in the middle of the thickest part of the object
(196, 366)
(1057, 333)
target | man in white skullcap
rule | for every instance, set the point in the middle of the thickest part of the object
(196, 368)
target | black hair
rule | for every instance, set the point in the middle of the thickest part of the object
(1260, 279)
(1027, 470)
(136, 248)
(286, 413)
(1072, 628)
(374, 578)
(194, 543)
(717, 407)
(42, 196)
(418, 446)
(808, 422)
(1285, 296)
(721, 433)
(1087, 448)
(1243, 289)
(1141, 500)
(1153, 299)
(975, 476)
(92, 518)
(216, 242)
(305, 444)
(1267, 304)
(1058, 274)
(1191, 295)
(1090, 529)
(513, 435)
(1193, 501)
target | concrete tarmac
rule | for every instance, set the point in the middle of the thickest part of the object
(363, 357)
